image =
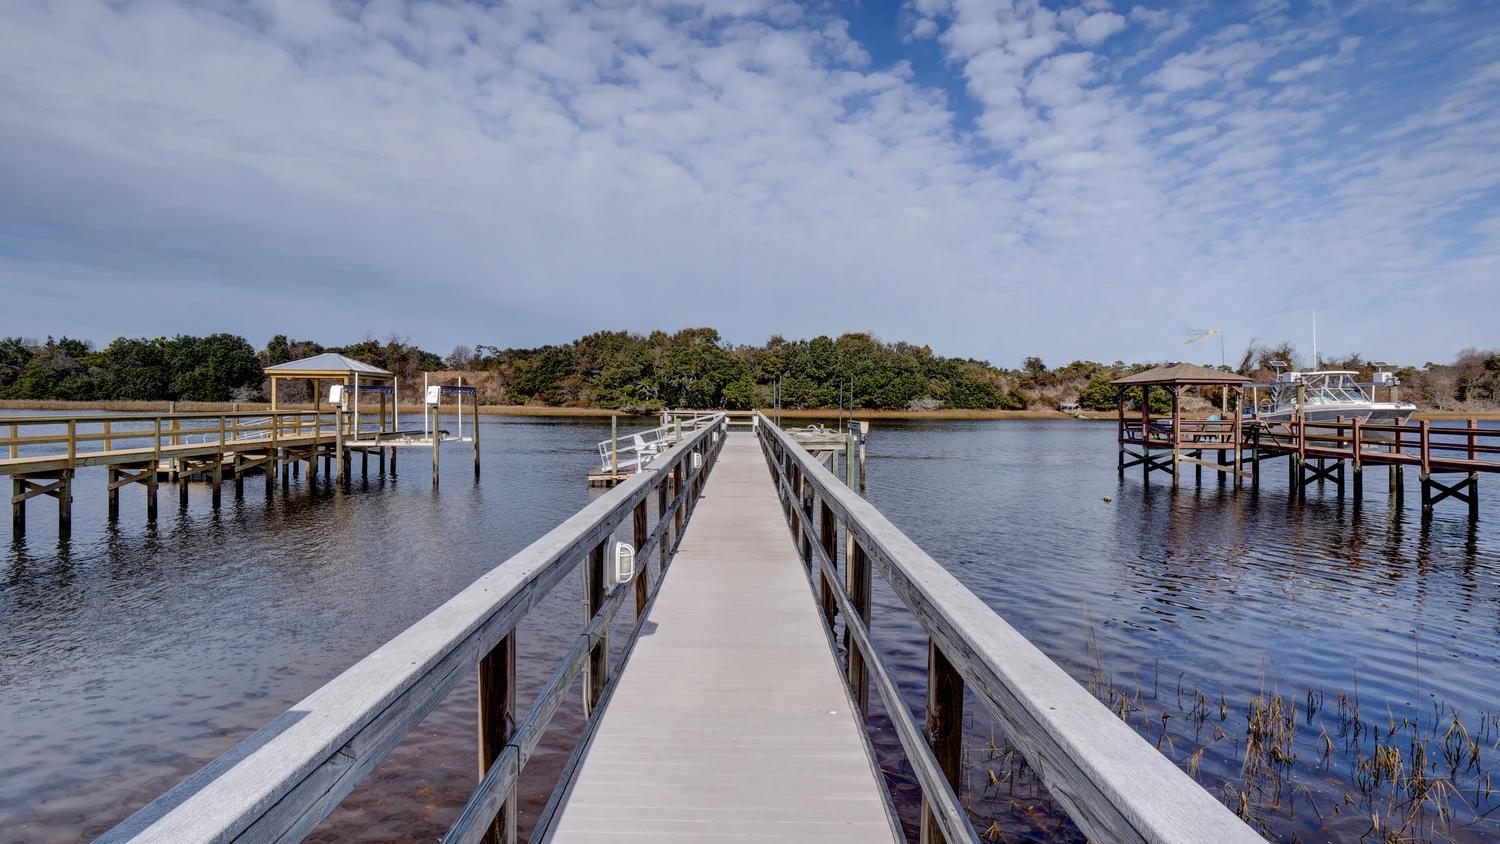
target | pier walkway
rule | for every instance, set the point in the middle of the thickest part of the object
(732, 713)
(763, 746)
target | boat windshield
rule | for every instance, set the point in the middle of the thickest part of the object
(1333, 388)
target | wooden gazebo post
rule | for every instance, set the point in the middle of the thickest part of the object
(1238, 431)
(1176, 432)
(1146, 432)
(1120, 428)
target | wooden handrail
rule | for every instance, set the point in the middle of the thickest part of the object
(1111, 782)
(281, 781)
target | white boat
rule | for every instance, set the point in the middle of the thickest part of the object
(1325, 395)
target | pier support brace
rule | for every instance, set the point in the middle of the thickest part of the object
(59, 486)
(1466, 489)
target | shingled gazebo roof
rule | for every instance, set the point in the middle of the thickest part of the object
(1180, 374)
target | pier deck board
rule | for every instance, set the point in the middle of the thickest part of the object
(730, 721)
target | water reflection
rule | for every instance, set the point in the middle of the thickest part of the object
(134, 653)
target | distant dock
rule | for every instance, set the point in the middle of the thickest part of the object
(1450, 458)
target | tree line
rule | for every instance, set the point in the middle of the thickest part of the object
(693, 367)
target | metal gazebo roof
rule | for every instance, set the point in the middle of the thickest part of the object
(326, 364)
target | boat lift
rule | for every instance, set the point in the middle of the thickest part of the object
(432, 434)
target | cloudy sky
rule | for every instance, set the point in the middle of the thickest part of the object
(995, 178)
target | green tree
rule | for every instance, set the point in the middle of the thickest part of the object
(135, 369)
(212, 368)
(15, 353)
(57, 370)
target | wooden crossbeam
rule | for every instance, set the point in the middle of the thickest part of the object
(247, 463)
(34, 489)
(1454, 490)
(126, 479)
(1226, 468)
(1311, 472)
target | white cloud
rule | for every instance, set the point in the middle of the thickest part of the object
(522, 173)
(1099, 26)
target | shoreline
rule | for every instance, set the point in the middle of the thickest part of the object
(602, 412)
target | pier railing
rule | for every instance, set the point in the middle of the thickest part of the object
(82, 439)
(1111, 782)
(1433, 447)
(281, 781)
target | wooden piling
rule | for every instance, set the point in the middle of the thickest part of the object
(17, 507)
(434, 449)
(65, 502)
(677, 516)
(945, 724)
(1426, 473)
(114, 494)
(857, 580)
(152, 479)
(828, 536)
(594, 591)
(497, 720)
(643, 570)
(661, 513)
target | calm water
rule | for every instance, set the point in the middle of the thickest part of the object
(132, 655)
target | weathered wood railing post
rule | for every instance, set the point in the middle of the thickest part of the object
(661, 513)
(217, 476)
(828, 537)
(1473, 475)
(677, 517)
(497, 718)
(151, 480)
(857, 577)
(65, 490)
(643, 572)
(1426, 475)
(1358, 460)
(435, 438)
(804, 505)
(594, 591)
(945, 724)
(113, 477)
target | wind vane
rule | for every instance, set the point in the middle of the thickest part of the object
(1196, 334)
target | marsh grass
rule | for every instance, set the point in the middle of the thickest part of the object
(1283, 763)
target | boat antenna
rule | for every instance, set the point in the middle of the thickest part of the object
(1315, 338)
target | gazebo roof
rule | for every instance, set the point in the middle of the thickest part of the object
(1180, 374)
(328, 363)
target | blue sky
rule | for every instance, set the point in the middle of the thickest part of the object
(995, 178)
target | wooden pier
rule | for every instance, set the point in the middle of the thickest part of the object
(1450, 457)
(43, 455)
(730, 714)
(760, 745)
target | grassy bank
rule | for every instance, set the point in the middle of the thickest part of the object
(544, 410)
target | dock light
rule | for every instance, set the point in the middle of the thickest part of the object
(624, 562)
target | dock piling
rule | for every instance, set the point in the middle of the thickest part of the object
(945, 726)
(594, 593)
(114, 494)
(497, 721)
